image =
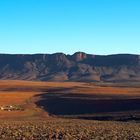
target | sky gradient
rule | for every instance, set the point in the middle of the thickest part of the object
(49, 26)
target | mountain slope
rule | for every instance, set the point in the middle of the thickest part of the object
(77, 67)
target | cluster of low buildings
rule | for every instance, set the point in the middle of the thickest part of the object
(10, 108)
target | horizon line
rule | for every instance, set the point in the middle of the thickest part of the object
(39, 53)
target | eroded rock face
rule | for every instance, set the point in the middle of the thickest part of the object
(77, 67)
(139, 59)
(79, 56)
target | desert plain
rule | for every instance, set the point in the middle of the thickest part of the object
(69, 110)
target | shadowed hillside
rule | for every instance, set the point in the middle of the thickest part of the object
(77, 104)
(102, 106)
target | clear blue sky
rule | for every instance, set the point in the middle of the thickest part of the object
(49, 26)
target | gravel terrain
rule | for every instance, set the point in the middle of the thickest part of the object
(69, 129)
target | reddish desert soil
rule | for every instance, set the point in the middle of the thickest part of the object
(41, 99)
(50, 109)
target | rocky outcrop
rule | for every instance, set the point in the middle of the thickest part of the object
(77, 67)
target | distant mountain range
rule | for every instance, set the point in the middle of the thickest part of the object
(77, 67)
